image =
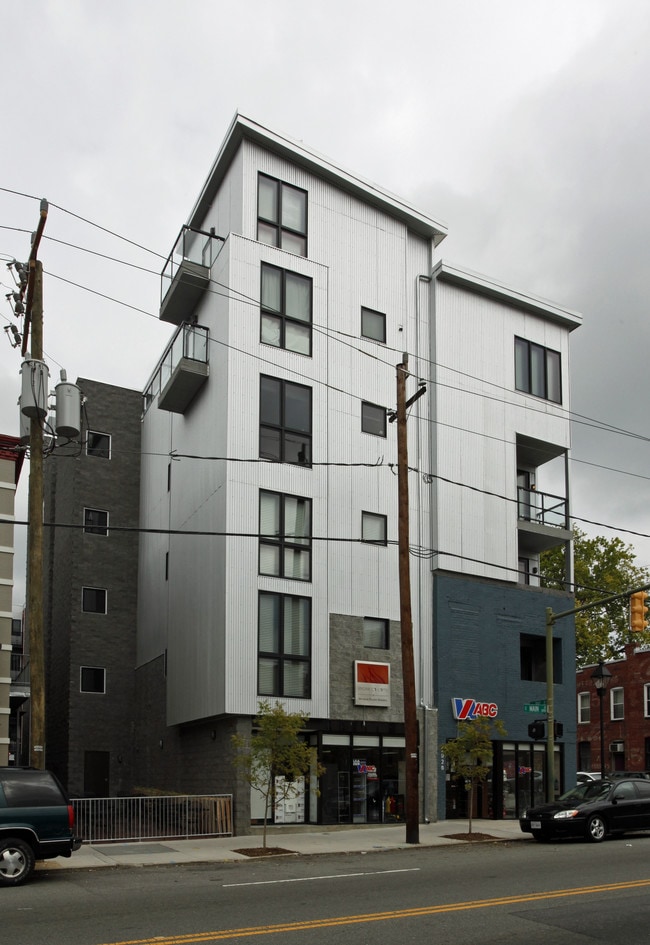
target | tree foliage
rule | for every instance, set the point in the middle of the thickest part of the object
(275, 759)
(602, 567)
(470, 753)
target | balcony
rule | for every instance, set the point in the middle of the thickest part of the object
(20, 688)
(543, 520)
(182, 371)
(186, 275)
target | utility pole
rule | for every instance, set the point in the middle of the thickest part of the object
(406, 623)
(34, 317)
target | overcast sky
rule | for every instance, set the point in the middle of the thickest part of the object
(524, 126)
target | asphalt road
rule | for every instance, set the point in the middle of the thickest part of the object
(557, 894)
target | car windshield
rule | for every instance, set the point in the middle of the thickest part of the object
(589, 791)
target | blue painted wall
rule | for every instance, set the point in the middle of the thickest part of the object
(477, 634)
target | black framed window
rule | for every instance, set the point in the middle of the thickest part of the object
(375, 633)
(373, 325)
(92, 679)
(285, 421)
(282, 215)
(286, 309)
(538, 370)
(93, 600)
(285, 536)
(95, 522)
(98, 444)
(284, 646)
(374, 528)
(373, 419)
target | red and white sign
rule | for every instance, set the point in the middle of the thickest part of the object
(372, 683)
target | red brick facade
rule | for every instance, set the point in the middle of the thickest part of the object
(626, 714)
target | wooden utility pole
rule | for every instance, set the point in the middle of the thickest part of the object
(35, 550)
(34, 319)
(406, 623)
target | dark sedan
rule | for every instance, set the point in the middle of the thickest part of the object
(592, 810)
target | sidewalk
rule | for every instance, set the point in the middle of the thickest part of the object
(294, 839)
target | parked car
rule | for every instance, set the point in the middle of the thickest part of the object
(36, 822)
(582, 776)
(628, 774)
(592, 810)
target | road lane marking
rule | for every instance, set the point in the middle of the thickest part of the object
(415, 912)
(311, 879)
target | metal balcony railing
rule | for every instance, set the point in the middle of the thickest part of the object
(188, 348)
(186, 274)
(542, 508)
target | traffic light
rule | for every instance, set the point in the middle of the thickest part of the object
(558, 729)
(536, 730)
(639, 612)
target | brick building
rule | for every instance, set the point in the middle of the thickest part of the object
(626, 714)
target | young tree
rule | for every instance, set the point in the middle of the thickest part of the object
(602, 567)
(275, 758)
(470, 753)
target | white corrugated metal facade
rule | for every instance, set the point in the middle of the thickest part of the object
(198, 598)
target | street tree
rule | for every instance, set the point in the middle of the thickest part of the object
(470, 753)
(602, 567)
(276, 760)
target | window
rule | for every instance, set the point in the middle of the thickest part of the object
(286, 310)
(616, 703)
(373, 325)
(373, 419)
(646, 700)
(95, 522)
(284, 660)
(282, 215)
(584, 707)
(93, 679)
(285, 421)
(93, 600)
(375, 633)
(285, 536)
(374, 528)
(98, 444)
(537, 371)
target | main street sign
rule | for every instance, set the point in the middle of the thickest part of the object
(535, 706)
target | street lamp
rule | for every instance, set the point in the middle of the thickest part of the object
(601, 677)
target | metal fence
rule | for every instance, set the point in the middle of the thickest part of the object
(153, 818)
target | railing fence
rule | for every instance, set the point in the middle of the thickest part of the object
(153, 818)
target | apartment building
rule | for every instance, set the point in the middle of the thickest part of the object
(90, 564)
(268, 562)
(625, 706)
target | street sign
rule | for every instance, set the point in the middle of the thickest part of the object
(535, 707)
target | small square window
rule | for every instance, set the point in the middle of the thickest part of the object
(93, 679)
(98, 444)
(373, 325)
(95, 522)
(375, 633)
(93, 600)
(374, 528)
(373, 419)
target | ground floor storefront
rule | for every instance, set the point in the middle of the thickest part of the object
(518, 780)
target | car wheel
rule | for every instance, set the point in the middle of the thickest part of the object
(596, 828)
(16, 862)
